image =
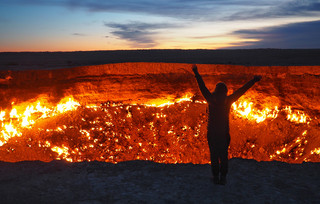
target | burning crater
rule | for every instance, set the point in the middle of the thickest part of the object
(154, 111)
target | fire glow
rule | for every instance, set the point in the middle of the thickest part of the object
(166, 131)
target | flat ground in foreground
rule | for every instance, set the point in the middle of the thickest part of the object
(249, 181)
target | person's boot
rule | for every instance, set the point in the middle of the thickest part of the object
(223, 180)
(216, 180)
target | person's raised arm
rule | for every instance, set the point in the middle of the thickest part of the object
(204, 90)
(238, 93)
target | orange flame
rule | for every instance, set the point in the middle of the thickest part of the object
(62, 152)
(244, 109)
(22, 117)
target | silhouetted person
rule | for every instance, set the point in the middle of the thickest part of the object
(218, 123)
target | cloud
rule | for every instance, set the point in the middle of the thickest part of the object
(140, 34)
(188, 9)
(79, 34)
(298, 6)
(202, 10)
(295, 35)
(285, 9)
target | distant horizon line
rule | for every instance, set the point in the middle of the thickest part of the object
(161, 49)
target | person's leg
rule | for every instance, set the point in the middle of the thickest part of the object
(215, 164)
(215, 167)
(224, 165)
(223, 154)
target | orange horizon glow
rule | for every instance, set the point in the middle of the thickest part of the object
(98, 46)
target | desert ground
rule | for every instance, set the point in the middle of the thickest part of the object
(97, 76)
(148, 182)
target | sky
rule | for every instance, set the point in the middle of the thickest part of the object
(81, 25)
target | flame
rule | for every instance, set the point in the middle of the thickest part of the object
(114, 123)
(2, 115)
(296, 116)
(67, 104)
(316, 151)
(244, 109)
(8, 132)
(62, 152)
(24, 117)
(296, 148)
(168, 102)
(13, 113)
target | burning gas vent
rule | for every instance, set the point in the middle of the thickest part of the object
(93, 114)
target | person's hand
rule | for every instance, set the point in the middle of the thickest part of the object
(195, 69)
(257, 78)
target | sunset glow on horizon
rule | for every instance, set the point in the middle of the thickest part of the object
(66, 25)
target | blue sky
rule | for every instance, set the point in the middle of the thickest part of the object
(71, 25)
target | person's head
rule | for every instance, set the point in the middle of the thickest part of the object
(221, 88)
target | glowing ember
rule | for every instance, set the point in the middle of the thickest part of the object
(297, 116)
(316, 151)
(168, 131)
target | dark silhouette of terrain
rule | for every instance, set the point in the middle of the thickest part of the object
(254, 57)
